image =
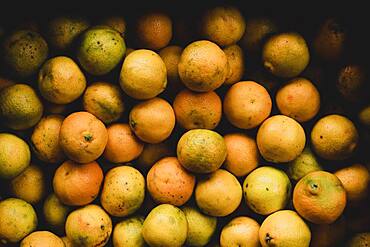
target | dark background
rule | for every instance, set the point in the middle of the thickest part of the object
(301, 16)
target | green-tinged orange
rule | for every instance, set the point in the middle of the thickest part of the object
(201, 150)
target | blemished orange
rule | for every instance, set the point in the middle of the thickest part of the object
(197, 110)
(203, 66)
(169, 182)
(123, 145)
(298, 99)
(77, 184)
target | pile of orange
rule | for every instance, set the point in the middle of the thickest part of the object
(147, 130)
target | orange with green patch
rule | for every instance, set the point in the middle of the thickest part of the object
(319, 197)
(89, 226)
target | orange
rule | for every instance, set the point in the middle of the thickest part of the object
(153, 30)
(197, 110)
(45, 139)
(280, 139)
(319, 197)
(247, 104)
(105, 101)
(152, 120)
(171, 58)
(169, 182)
(203, 66)
(83, 137)
(235, 58)
(122, 146)
(201, 150)
(143, 74)
(355, 180)
(240, 231)
(298, 99)
(77, 184)
(330, 40)
(242, 154)
(152, 153)
(42, 239)
(334, 137)
(224, 25)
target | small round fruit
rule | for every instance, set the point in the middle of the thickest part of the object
(20, 107)
(45, 139)
(153, 153)
(355, 180)
(285, 54)
(267, 190)
(153, 30)
(242, 154)
(352, 82)
(169, 182)
(201, 227)
(83, 137)
(24, 51)
(18, 219)
(197, 110)
(330, 40)
(62, 31)
(55, 212)
(201, 151)
(284, 229)
(165, 225)
(42, 239)
(334, 137)
(256, 31)
(247, 104)
(305, 163)
(298, 99)
(240, 231)
(122, 146)
(152, 120)
(61, 81)
(280, 139)
(127, 233)
(15, 156)
(203, 66)
(77, 184)
(105, 101)
(116, 22)
(171, 58)
(235, 58)
(29, 185)
(364, 116)
(224, 25)
(218, 194)
(123, 191)
(89, 226)
(319, 197)
(100, 50)
(143, 74)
